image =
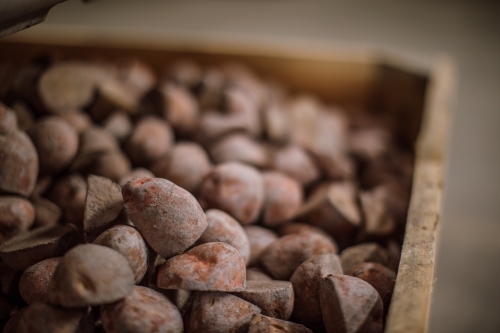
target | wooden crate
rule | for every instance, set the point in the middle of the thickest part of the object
(417, 98)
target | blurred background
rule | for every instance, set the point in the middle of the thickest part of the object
(466, 295)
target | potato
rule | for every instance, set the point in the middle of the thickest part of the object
(239, 147)
(212, 266)
(142, 311)
(90, 275)
(264, 324)
(69, 192)
(38, 244)
(259, 238)
(223, 228)
(349, 304)
(16, 216)
(306, 282)
(56, 143)
(283, 198)
(297, 164)
(274, 298)
(258, 275)
(217, 312)
(364, 252)
(180, 220)
(128, 242)
(19, 169)
(282, 257)
(34, 282)
(186, 165)
(235, 188)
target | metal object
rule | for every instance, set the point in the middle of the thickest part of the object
(17, 15)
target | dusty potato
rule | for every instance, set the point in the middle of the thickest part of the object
(186, 165)
(223, 228)
(151, 139)
(217, 312)
(274, 298)
(46, 212)
(8, 120)
(34, 282)
(142, 311)
(380, 277)
(239, 147)
(365, 252)
(283, 198)
(180, 220)
(128, 242)
(235, 188)
(42, 318)
(94, 141)
(41, 243)
(103, 203)
(113, 165)
(349, 304)
(19, 169)
(306, 282)
(212, 266)
(259, 238)
(16, 216)
(134, 174)
(264, 324)
(80, 121)
(180, 108)
(56, 143)
(90, 275)
(255, 274)
(282, 257)
(297, 164)
(69, 192)
(119, 125)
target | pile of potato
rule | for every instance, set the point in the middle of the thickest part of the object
(192, 199)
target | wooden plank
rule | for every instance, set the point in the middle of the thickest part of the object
(409, 311)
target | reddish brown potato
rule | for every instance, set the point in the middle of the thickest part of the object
(235, 188)
(142, 311)
(381, 278)
(94, 142)
(334, 208)
(366, 252)
(239, 147)
(282, 257)
(264, 324)
(283, 198)
(186, 165)
(34, 282)
(8, 120)
(181, 220)
(223, 228)
(119, 125)
(128, 242)
(306, 282)
(350, 304)
(297, 227)
(41, 318)
(180, 108)
(56, 143)
(16, 216)
(151, 139)
(218, 312)
(46, 212)
(78, 120)
(90, 275)
(255, 274)
(69, 192)
(19, 163)
(259, 238)
(274, 298)
(296, 163)
(41, 243)
(136, 173)
(113, 165)
(212, 266)
(103, 203)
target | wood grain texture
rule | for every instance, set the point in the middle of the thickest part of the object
(409, 311)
